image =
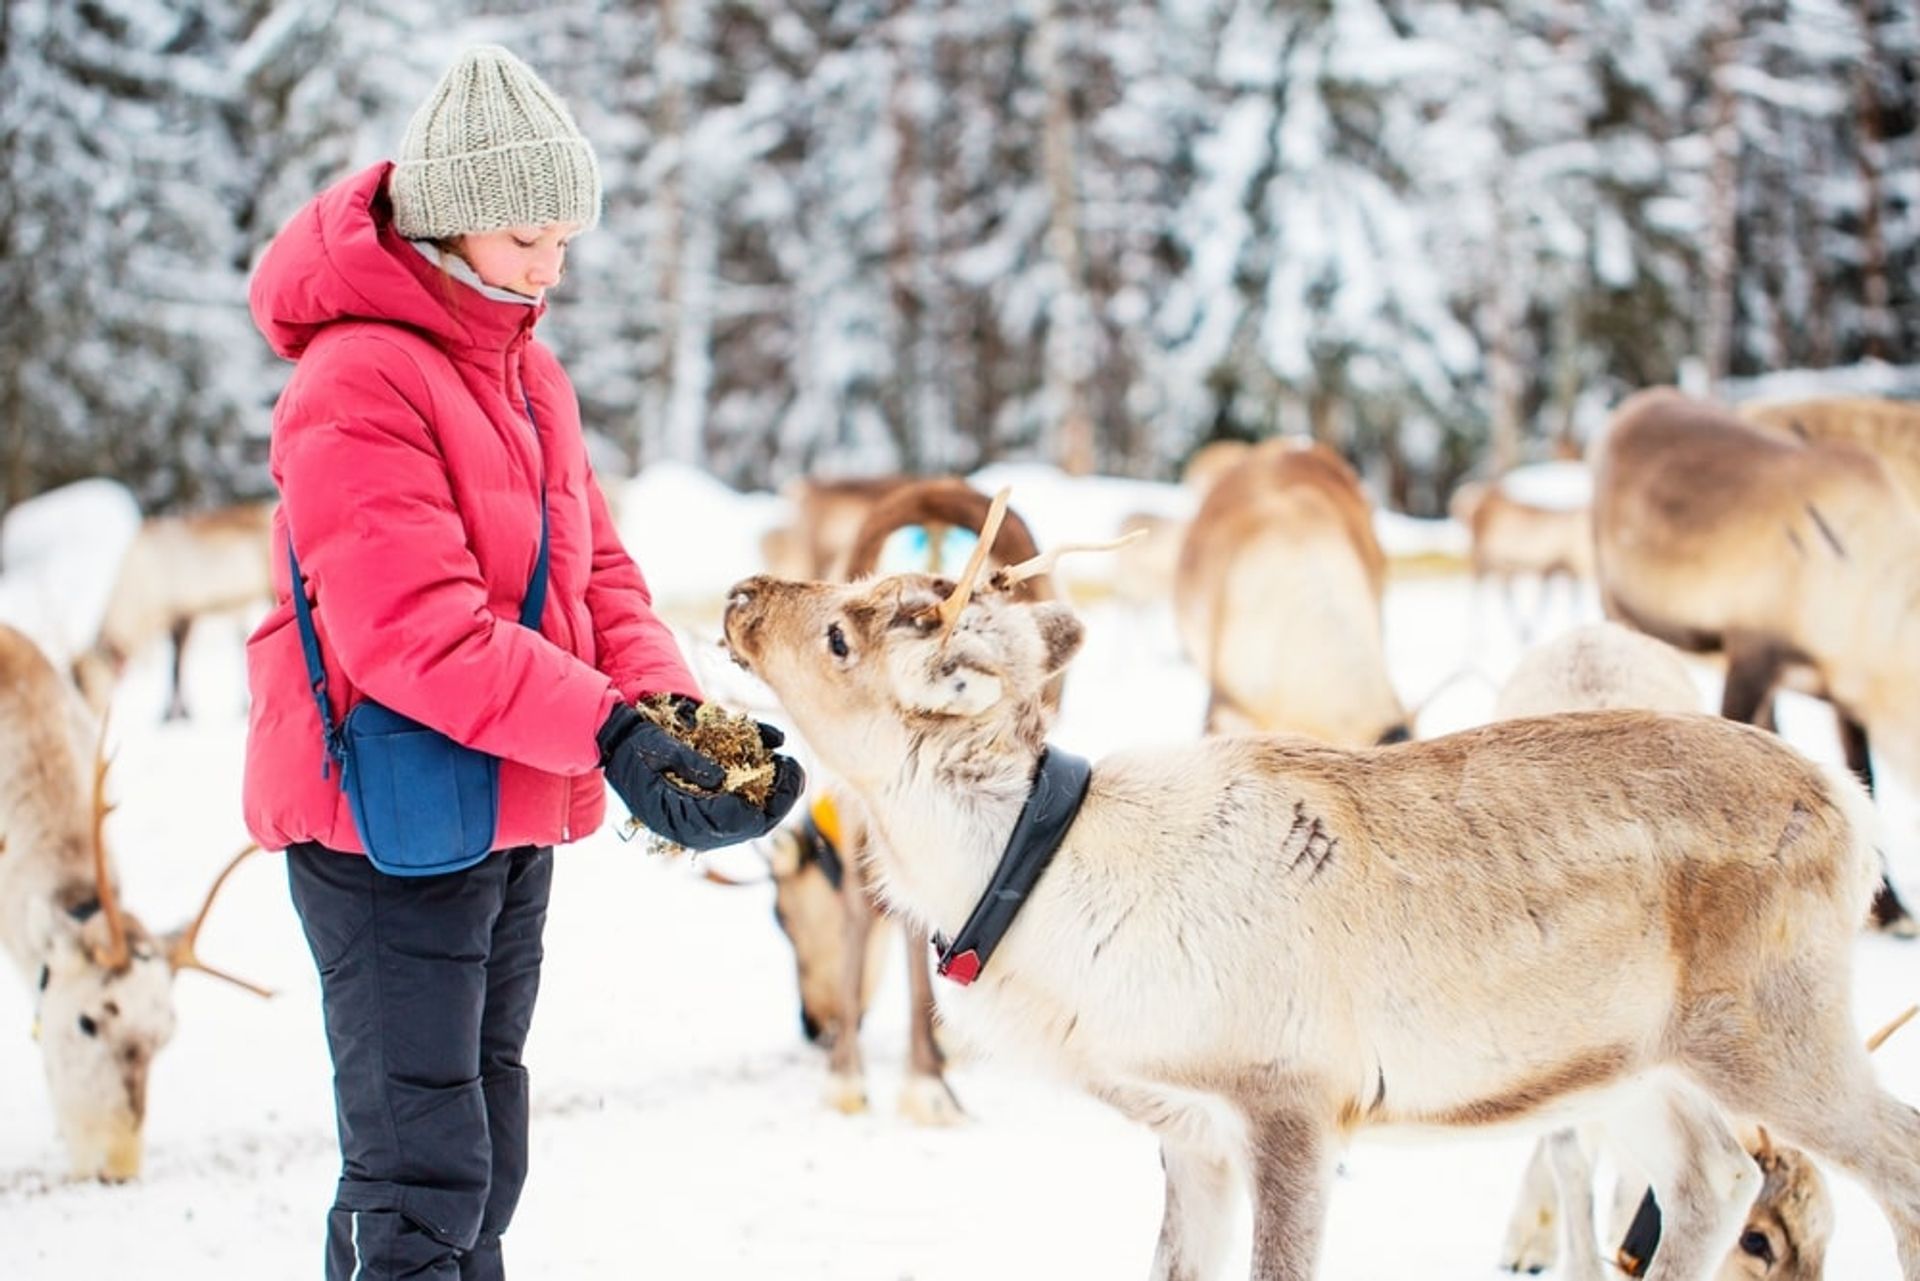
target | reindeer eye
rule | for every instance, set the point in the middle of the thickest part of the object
(837, 641)
(88, 1026)
(1755, 1243)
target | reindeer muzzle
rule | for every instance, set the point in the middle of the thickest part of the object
(740, 623)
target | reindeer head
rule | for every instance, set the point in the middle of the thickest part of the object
(105, 1006)
(811, 910)
(1786, 1234)
(868, 669)
(871, 671)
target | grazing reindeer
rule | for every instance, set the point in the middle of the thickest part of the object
(176, 569)
(1513, 539)
(823, 897)
(1889, 429)
(105, 982)
(1598, 667)
(1798, 560)
(1282, 559)
(1260, 945)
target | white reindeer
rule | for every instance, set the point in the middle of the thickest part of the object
(1258, 946)
(105, 982)
(1597, 667)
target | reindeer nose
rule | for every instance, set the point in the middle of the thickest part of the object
(741, 600)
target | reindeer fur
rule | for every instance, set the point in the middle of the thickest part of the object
(105, 981)
(1282, 558)
(1259, 945)
(1784, 1238)
(176, 569)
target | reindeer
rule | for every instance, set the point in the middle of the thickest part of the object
(1889, 429)
(1513, 539)
(823, 897)
(1598, 667)
(1149, 562)
(176, 569)
(1800, 561)
(1260, 945)
(1282, 558)
(827, 517)
(105, 981)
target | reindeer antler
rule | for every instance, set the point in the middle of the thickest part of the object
(949, 609)
(116, 954)
(1014, 575)
(1879, 1038)
(182, 956)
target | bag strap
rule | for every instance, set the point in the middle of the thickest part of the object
(532, 606)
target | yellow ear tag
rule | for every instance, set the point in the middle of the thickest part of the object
(36, 1027)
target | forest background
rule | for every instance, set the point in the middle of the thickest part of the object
(851, 236)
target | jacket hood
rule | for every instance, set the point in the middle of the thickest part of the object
(339, 259)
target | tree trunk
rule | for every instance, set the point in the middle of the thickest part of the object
(1876, 298)
(1069, 353)
(659, 409)
(1723, 196)
(906, 392)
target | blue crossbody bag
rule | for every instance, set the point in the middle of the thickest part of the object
(422, 803)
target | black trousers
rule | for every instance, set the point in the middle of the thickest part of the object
(428, 987)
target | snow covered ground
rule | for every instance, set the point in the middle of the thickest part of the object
(678, 1132)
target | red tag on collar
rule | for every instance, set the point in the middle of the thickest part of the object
(962, 969)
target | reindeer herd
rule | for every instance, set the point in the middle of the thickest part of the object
(1604, 915)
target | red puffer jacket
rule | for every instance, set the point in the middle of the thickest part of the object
(409, 475)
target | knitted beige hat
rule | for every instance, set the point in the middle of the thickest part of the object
(492, 147)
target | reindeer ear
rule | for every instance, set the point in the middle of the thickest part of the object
(1060, 632)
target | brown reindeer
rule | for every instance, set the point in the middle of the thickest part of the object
(105, 981)
(1512, 539)
(1278, 600)
(1259, 945)
(177, 569)
(1799, 560)
(827, 516)
(1149, 563)
(824, 898)
(1889, 429)
(1597, 667)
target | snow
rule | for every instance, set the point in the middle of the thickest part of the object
(1560, 486)
(678, 1128)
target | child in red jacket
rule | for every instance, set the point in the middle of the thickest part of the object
(463, 572)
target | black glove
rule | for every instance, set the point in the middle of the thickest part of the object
(637, 754)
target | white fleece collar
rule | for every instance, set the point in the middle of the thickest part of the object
(456, 266)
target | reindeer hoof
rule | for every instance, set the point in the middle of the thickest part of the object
(847, 1095)
(928, 1100)
(1532, 1247)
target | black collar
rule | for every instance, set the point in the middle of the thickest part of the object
(1059, 786)
(817, 846)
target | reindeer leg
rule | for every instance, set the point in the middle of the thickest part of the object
(1704, 1179)
(1199, 1147)
(1532, 1230)
(926, 1098)
(1888, 914)
(1196, 1227)
(846, 1070)
(1815, 1088)
(1753, 668)
(1573, 1179)
(1292, 1166)
(176, 698)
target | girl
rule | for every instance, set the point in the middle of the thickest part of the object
(456, 563)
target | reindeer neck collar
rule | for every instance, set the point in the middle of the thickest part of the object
(1060, 782)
